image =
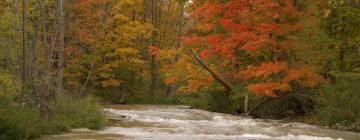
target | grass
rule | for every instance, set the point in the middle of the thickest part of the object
(26, 122)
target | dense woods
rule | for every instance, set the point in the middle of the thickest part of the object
(263, 58)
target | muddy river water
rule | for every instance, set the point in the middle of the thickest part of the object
(165, 122)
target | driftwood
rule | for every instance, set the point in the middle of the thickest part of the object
(257, 106)
(268, 99)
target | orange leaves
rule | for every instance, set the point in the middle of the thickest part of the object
(153, 50)
(268, 27)
(204, 54)
(84, 36)
(191, 40)
(170, 80)
(195, 84)
(262, 89)
(268, 88)
(208, 27)
(227, 24)
(304, 76)
(207, 10)
(264, 70)
(250, 46)
(187, 41)
(246, 30)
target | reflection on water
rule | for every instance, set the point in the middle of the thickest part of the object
(160, 122)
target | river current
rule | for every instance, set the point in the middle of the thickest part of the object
(166, 122)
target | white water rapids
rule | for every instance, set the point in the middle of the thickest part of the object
(156, 122)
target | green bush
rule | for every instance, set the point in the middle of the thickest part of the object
(339, 101)
(24, 122)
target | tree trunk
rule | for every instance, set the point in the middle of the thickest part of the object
(154, 77)
(341, 59)
(35, 61)
(140, 80)
(246, 103)
(131, 80)
(23, 77)
(87, 79)
(60, 72)
(44, 109)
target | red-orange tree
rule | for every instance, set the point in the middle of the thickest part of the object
(251, 42)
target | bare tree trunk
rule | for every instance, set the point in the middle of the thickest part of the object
(87, 79)
(140, 80)
(35, 60)
(144, 42)
(14, 32)
(341, 59)
(131, 80)
(23, 88)
(44, 87)
(60, 72)
(154, 76)
(246, 103)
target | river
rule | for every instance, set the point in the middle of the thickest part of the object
(166, 122)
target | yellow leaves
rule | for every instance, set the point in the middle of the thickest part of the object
(284, 87)
(327, 13)
(7, 84)
(136, 61)
(126, 51)
(127, 6)
(110, 82)
(195, 77)
(169, 54)
(121, 18)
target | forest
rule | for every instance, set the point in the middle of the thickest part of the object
(61, 61)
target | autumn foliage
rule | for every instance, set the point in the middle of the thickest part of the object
(250, 41)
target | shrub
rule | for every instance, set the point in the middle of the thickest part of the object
(339, 101)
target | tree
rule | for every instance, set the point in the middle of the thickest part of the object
(251, 42)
